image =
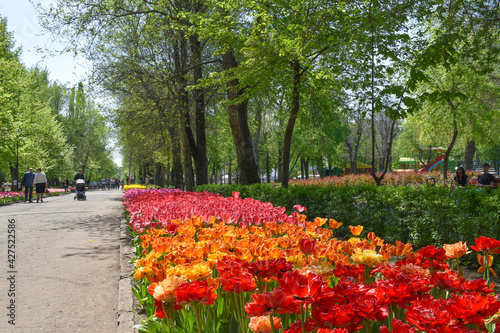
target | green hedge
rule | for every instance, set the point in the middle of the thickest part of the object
(419, 215)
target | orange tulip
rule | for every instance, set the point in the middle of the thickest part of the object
(334, 224)
(481, 269)
(319, 221)
(374, 239)
(357, 230)
(402, 249)
(262, 324)
(164, 290)
(455, 251)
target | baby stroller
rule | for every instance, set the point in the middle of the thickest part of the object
(80, 190)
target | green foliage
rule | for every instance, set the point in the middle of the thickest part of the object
(421, 215)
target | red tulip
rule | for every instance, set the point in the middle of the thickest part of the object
(303, 288)
(403, 289)
(244, 282)
(307, 245)
(427, 314)
(275, 301)
(328, 315)
(487, 244)
(472, 307)
(296, 327)
(198, 291)
(398, 327)
(431, 252)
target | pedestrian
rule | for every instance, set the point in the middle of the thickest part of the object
(40, 182)
(66, 185)
(27, 182)
(79, 175)
(103, 183)
(108, 183)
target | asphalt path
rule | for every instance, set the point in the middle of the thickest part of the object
(60, 264)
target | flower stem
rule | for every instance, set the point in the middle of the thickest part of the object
(244, 326)
(486, 266)
(199, 322)
(303, 317)
(271, 318)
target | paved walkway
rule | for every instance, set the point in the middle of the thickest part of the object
(65, 275)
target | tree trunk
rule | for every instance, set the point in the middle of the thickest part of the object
(268, 175)
(176, 157)
(287, 140)
(182, 104)
(470, 150)
(353, 148)
(168, 181)
(188, 166)
(306, 167)
(14, 174)
(280, 165)
(198, 148)
(159, 174)
(257, 135)
(448, 150)
(302, 173)
(238, 121)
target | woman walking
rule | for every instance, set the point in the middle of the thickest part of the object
(40, 182)
(66, 185)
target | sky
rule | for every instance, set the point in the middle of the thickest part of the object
(22, 21)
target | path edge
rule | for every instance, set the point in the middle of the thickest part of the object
(125, 295)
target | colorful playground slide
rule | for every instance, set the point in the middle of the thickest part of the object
(435, 162)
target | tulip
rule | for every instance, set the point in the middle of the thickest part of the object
(307, 245)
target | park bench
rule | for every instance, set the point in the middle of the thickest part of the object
(473, 182)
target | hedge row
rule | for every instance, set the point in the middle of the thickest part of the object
(421, 215)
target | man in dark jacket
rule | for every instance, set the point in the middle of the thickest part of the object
(27, 182)
(79, 175)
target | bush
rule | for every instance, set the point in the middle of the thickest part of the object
(421, 215)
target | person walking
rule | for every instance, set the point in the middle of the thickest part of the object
(103, 183)
(27, 182)
(40, 182)
(108, 183)
(79, 175)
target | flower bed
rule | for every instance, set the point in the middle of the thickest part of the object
(11, 196)
(390, 179)
(133, 186)
(211, 264)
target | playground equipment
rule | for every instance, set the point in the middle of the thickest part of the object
(361, 168)
(436, 162)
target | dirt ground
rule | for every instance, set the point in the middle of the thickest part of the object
(65, 273)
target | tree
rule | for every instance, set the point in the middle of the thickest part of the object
(146, 40)
(457, 106)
